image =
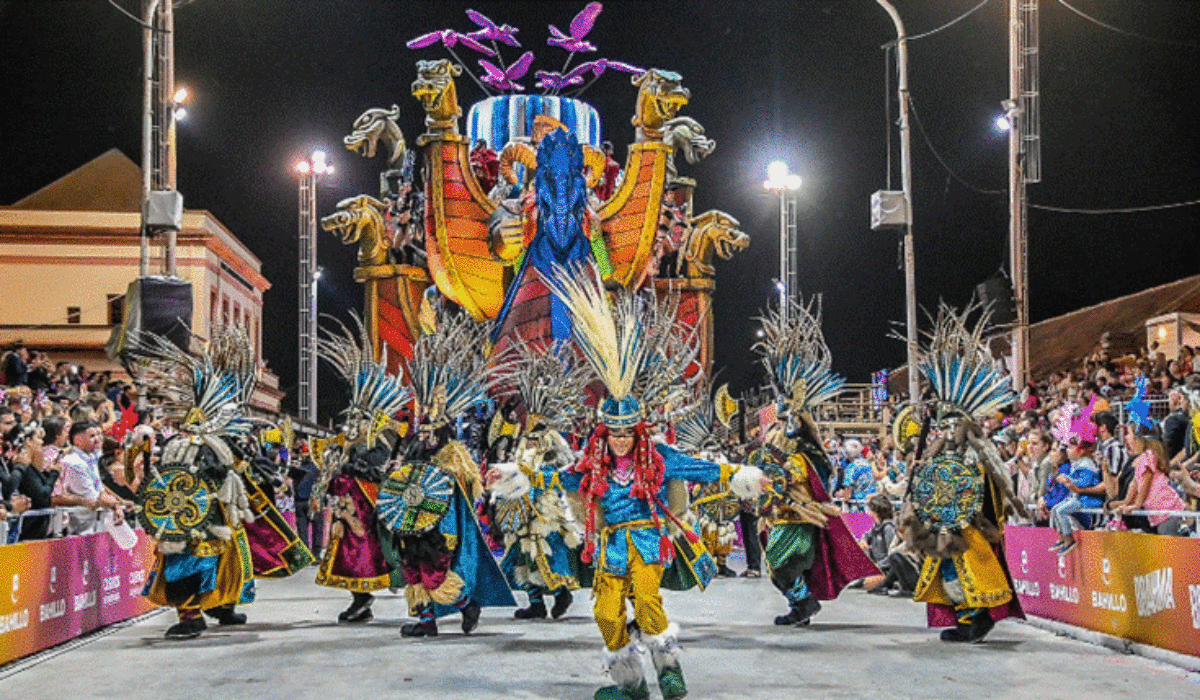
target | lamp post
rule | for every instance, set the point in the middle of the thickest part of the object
(310, 170)
(784, 184)
(910, 275)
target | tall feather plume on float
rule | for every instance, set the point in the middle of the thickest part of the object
(449, 369)
(205, 394)
(374, 394)
(551, 382)
(795, 355)
(958, 366)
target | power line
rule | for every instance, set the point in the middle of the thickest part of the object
(929, 143)
(1126, 32)
(951, 23)
(1127, 210)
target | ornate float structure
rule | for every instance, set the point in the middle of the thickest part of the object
(477, 226)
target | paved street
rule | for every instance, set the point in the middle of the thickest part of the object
(860, 646)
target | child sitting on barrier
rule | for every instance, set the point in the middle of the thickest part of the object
(1086, 491)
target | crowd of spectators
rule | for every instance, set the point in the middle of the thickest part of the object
(61, 432)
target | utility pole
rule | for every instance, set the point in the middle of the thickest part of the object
(310, 171)
(881, 200)
(1024, 164)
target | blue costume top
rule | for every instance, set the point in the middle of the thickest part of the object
(860, 479)
(620, 507)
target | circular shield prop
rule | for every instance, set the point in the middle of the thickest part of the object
(715, 504)
(947, 492)
(177, 503)
(514, 515)
(414, 498)
(905, 428)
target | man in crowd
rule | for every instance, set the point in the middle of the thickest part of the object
(81, 478)
(1175, 425)
(310, 524)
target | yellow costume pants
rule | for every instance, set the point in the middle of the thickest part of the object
(640, 582)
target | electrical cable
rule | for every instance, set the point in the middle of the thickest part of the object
(1127, 210)
(949, 24)
(929, 143)
(1118, 30)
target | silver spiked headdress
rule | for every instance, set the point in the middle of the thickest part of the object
(449, 369)
(550, 382)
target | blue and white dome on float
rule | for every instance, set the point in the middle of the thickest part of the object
(504, 118)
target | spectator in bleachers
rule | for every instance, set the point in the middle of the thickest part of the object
(41, 476)
(14, 370)
(1116, 466)
(859, 482)
(1085, 490)
(1091, 390)
(1175, 425)
(1151, 487)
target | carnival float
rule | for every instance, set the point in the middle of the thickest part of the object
(478, 216)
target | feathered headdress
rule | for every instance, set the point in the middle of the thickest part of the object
(449, 369)
(694, 431)
(958, 366)
(550, 382)
(635, 345)
(375, 395)
(796, 357)
(206, 394)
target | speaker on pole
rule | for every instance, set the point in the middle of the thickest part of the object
(159, 305)
(997, 295)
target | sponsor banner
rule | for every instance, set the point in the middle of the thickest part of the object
(52, 591)
(1145, 588)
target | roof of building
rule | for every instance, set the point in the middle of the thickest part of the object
(1063, 341)
(109, 182)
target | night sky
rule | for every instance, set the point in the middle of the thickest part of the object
(802, 81)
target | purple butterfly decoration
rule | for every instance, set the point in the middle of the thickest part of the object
(489, 30)
(1137, 408)
(448, 38)
(506, 79)
(548, 80)
(580, 26)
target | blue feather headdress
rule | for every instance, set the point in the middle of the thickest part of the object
(205, 394)
(373, 392)
(958, 367)
(796, 357)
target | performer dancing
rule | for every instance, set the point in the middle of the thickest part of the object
(636, 350)
(959, 488)
(541, 534)
(427, 504)
(352, 468)
(195, 504)
(811, 554)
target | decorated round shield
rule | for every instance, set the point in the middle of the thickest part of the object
(716, 504)
(905, 428)
(177, 503)
(947, 492)
(414, 498)
(772, 469)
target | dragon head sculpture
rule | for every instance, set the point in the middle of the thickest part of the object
(360, 220)
(660, 97)
(713, 231)
(434, 87)
(373, 126)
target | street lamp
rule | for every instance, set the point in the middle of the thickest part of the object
(310, 170)
(784, 184)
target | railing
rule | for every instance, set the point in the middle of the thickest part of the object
(58, 522)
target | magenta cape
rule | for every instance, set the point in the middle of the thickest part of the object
(838, 559)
